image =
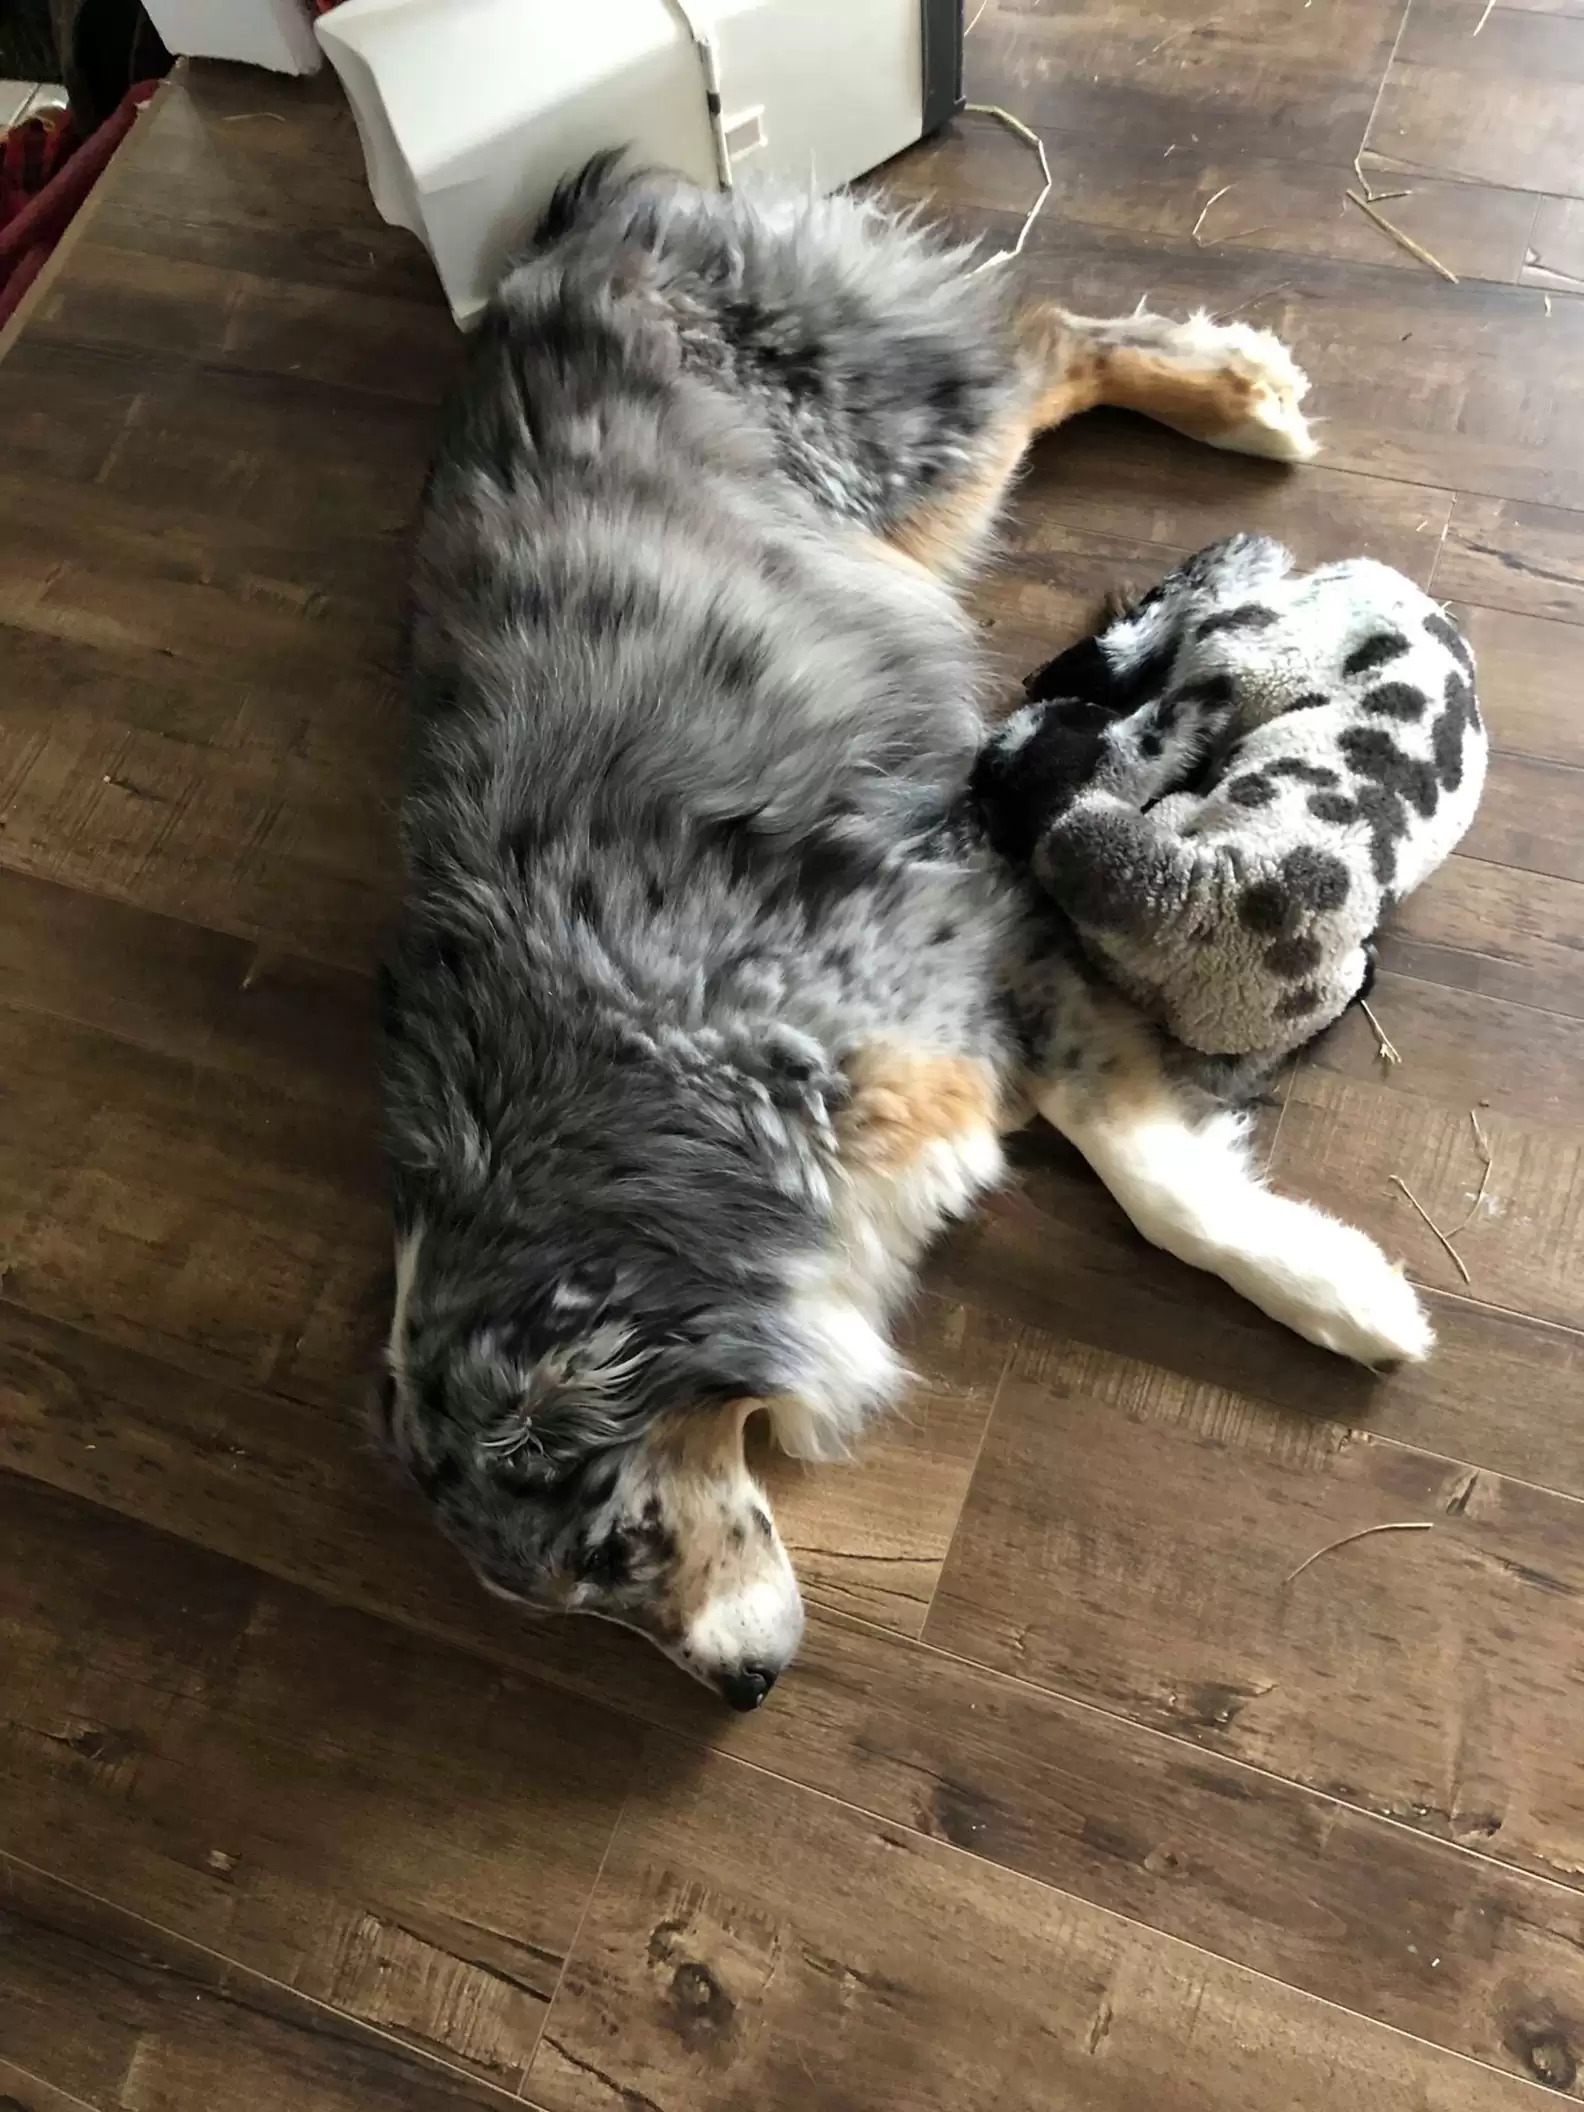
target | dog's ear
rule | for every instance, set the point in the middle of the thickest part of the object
(577, 1398)
(600, 1389)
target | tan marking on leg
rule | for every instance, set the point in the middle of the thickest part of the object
(1224, 383)
(1073, 369)
(1205, 405)
(947, 532)
(905, 1100)
(1062, 364)
(877, 546)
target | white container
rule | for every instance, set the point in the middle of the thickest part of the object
(273, 33)
(471, 111)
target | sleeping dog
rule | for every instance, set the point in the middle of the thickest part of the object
(708, 1010)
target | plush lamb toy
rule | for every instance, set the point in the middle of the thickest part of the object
(1228, 787)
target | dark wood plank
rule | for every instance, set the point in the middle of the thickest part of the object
(32, 2094)
(132, 759)
(977, 169)
(402, 1832)
(102, 2009)
(223, 1467)
(243, 164)
(1136, 1542)
(1461, 1052)
(1487, 928)
(1527, 679)
(1466, 1059)
(179, 990)
(230, 317)
(1145, 75)
(1529, 817)
(1497, 106)
(194, 1209)
(751, 1944)
(1554, 259)
(198, 438)
(1124, 480)
(1057, 1254)
(1506, 555)
(1345, 1142)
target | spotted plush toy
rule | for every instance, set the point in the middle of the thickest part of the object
(1229, 786)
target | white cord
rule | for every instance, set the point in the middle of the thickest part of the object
(1015, 124)
(708, 52)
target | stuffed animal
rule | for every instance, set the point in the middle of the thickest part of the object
(1229, 786)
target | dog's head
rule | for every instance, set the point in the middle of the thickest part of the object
(586, 1461)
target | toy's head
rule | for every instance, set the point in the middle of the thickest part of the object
(1034, 768)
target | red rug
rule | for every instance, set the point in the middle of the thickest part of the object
(46, 171)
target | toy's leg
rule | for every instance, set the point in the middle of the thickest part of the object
(1227, 384)
(1189, 1185)
(1115, 869)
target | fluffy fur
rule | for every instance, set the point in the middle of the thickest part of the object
(707, 1010)
(1231, 785)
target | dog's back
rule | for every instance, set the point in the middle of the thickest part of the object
(684, 732)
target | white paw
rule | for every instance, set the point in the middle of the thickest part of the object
(1273, 425)
(1252, 385)
(1335, 1287)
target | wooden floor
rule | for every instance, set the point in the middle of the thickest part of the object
(1086, 1793)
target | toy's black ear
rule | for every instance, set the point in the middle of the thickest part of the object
(1082, 673)
(1033, 770)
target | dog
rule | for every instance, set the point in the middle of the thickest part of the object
(708, 1009)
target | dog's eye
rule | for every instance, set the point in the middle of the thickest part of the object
(608, 1563)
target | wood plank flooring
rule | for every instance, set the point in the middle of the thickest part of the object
(1129, 1766)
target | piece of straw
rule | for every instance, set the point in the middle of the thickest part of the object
(1457, 1259)
(1210, 201)
(1386, 1049)
(1407, 242)
(1479, 1195)
(1371, 195)
(1399, 1525)
(1023, 131)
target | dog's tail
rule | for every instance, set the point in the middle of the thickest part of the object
(1190, 1186)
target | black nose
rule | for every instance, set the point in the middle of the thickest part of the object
(747, 1688)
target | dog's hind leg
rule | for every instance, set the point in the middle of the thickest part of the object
(1227, 384)
(1187, 1181)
